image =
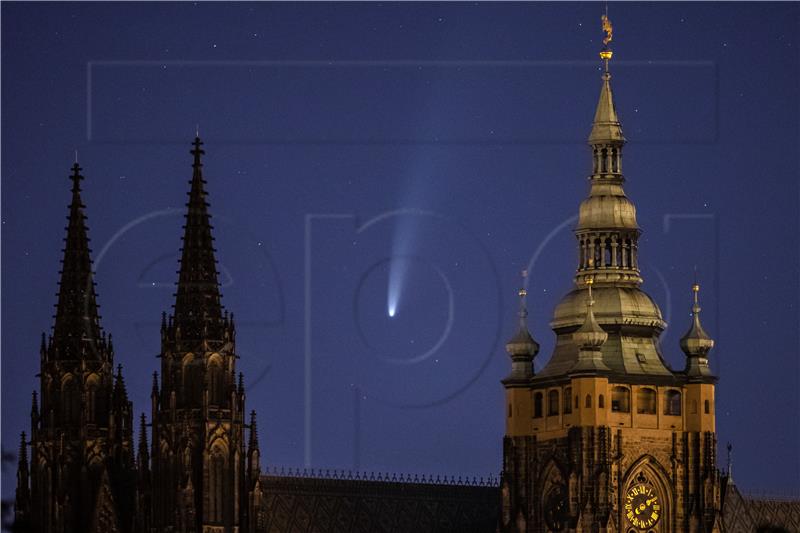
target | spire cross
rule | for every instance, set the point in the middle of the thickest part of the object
(196, 151)
(696, 291)
(523, 294)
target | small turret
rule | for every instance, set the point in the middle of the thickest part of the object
(590, 337)
(521, 347)
(143, 454)
(696, 343)
(23, 496)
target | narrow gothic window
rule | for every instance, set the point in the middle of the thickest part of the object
(707, 407)
(614, 164)
(588, 401)
(70, 401)
(537, 405)
(215, 385)
(567, 400)
(601, 402)
(552, 403)
(604, 160)
(217, 486)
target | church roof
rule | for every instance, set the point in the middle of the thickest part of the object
(758, 513)
(372, 506)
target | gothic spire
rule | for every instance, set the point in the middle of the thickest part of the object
(696, 343)
(22, 497)
(253, 442)
(198, 311)
(521, 347)
(120, 393)
(144, 453)
(77, 322)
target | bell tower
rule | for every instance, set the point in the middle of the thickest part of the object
(198, 460)
(613, 440)
(81, 469)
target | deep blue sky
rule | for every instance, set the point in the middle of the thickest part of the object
(322, 120)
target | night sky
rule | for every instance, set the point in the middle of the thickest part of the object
(440, 146)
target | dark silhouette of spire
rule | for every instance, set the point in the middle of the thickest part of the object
(198, 311)
(77, 332)
(120, 392)
(253, 442)
(144, 452)
(23, 495)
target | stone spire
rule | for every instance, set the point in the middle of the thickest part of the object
(143, 455)
(521, 347)
(77, 332)
(198, 311)
(696, 343)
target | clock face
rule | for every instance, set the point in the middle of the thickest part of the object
(642, 506)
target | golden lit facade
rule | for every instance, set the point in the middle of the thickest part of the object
(607, 437)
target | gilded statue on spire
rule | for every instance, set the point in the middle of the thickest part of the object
(608, 29)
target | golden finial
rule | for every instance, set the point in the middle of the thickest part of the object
(589, 283)
(696, 290)
(523, 292)
(606, 53)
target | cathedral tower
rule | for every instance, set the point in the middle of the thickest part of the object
(607, 437)
(198, 478)
(81, 472)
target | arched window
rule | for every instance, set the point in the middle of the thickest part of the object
(567, 400)
(588, 401)
(576, 402)
(537, 405)
(552, 403)
(509, 410)
(70, 401)
(601, 402)
(646, 401)
(628, 253)
(621, 400)
(598, 250)
(707, 407)
(91, 402)
(607, 253)
(672, 403)
(217, 485)
(216, 384)
(191, 372)
(604, 160)
(614, 165)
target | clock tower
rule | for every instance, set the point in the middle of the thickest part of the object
(607, 437)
